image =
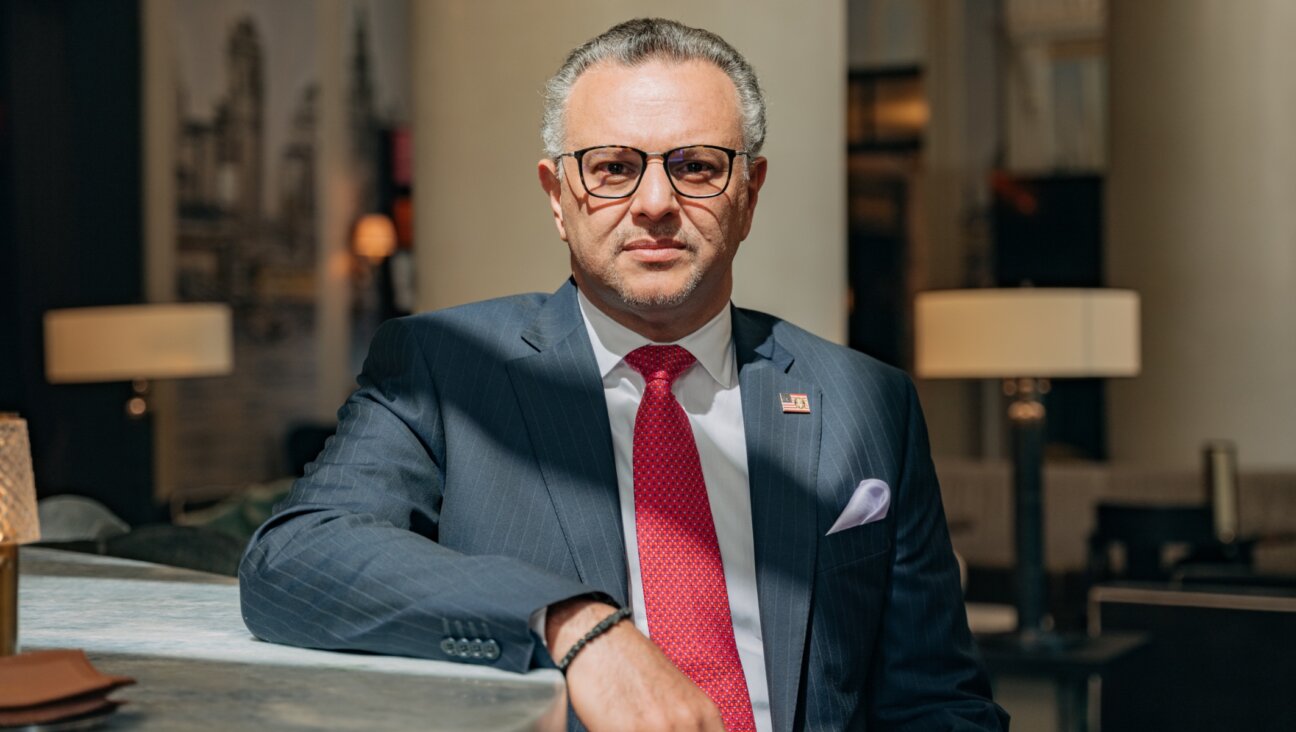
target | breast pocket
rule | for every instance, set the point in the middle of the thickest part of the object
(856, 544)
(850, 592)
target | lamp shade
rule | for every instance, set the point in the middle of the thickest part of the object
(126, 342)
(1026, 332)
(18, 517)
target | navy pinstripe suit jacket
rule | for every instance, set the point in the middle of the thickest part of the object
(472, 482)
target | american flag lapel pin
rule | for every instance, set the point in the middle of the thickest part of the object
(795, 403)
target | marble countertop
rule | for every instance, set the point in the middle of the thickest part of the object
(180, 635)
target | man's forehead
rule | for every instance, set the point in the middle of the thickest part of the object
(675, 102)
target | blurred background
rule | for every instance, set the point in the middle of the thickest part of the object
(315, 167)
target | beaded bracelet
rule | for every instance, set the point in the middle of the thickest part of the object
(604, 625)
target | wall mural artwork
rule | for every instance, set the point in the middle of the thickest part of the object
(247, 153)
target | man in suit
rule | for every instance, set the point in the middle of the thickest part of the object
(511, 475)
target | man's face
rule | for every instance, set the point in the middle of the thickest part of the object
(657, 261)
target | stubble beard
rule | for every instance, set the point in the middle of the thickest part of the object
(656, 300)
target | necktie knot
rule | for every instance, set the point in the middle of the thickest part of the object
(660, 363)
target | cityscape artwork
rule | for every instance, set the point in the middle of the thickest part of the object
(248, 145)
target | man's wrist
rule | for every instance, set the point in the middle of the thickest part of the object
(568, 621)
(602, 627)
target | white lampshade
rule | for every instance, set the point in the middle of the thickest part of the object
(126, 342)
(1026, 332)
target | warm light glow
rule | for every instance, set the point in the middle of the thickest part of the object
(901, 112)
(126, 342)
(1026, 332)
(136, 407)
(374, 237)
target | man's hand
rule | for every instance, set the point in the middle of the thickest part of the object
(620, 680)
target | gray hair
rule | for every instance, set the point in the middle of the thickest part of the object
(643, 39)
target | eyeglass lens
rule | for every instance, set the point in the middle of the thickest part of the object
(613, 172)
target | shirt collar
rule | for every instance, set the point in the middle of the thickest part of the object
(711, 345)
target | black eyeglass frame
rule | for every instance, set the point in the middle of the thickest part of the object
(578, 156)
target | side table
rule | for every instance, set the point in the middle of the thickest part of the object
(1070, 664)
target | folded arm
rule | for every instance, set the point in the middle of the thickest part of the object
(351, 561)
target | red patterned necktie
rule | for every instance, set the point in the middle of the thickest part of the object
(685, 596)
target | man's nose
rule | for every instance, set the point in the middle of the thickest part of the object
(655, 198)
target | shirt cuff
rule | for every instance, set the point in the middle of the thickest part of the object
(538, 625)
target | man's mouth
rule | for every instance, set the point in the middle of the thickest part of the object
(652, 244)
(655, 250)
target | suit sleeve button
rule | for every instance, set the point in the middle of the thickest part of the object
(448, 646)
(475, 648)
(491, 650)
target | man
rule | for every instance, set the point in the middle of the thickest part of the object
(511, 473)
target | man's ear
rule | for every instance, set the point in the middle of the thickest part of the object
(552, 183)
(755, 179)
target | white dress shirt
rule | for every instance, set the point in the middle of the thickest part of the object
(708, 391)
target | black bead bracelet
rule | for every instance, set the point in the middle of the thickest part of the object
(604, 625)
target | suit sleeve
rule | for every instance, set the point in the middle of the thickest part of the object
(928, 674)
(350, 560)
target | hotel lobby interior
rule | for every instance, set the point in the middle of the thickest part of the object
(1070, 222)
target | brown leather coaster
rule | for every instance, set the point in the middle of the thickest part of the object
(41, 677)
(58, 711)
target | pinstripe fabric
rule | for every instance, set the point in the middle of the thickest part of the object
(567, 421)
(782, 460)
(872, 617)
(382, 545)
(472, 482)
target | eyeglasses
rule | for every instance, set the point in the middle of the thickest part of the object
(694, 171)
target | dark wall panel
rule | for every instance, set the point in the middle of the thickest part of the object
(71, 232)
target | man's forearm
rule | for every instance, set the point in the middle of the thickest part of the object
(322, 578)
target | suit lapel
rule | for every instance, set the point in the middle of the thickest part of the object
(561, 398)
(782, 464)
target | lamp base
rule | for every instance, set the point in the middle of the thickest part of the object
(8, 599)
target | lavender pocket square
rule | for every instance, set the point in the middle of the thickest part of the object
(869, 503)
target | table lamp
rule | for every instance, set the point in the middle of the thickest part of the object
(136, 343)
(18, 520)
(1026, 336)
